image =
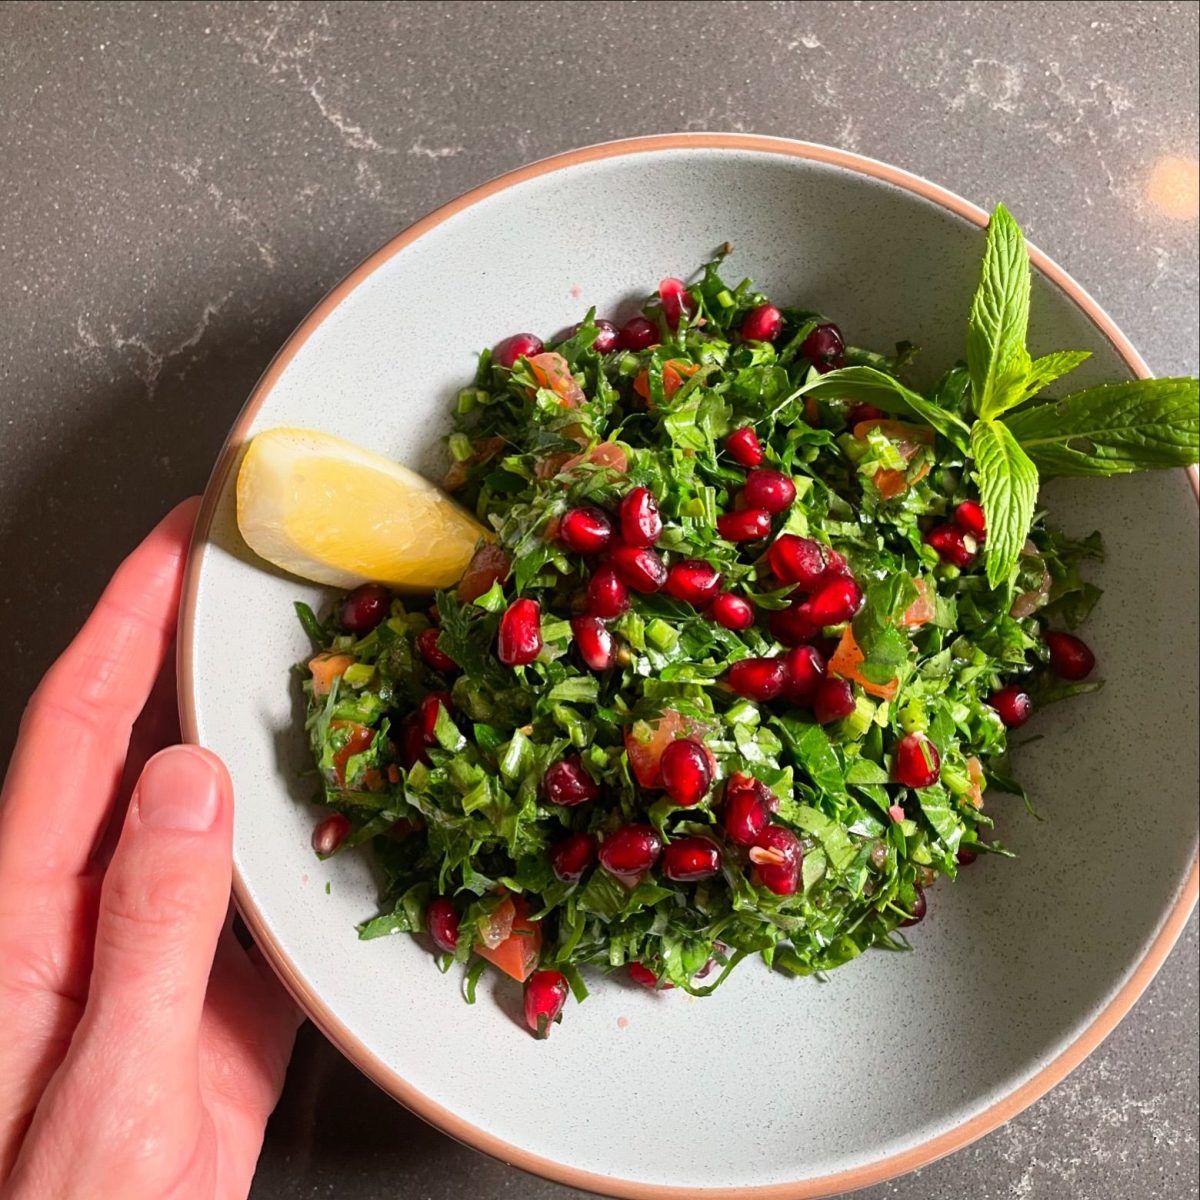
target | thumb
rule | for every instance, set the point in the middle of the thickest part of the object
(162, 907)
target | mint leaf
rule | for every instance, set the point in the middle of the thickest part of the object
(866, 385)
(1045, 370)
(1113, 429)
(1008, 487)
(996, 355)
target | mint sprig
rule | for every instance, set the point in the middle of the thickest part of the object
(1113, 429)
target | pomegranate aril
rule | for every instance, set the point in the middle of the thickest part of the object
(733, 612)
(864, 412)
(519, 641)
(441, 919)
(688, 859)
(836, 602)
(646, 977)
(412, 745)
(638, 334)
(1070, 657)
(778, 856)
(520, 345)
(675, 300)
(918, 763)
(833, 700)
(836, 567)
(365, 608)
(759, 679)
(686, 774)
(1012, 704)
(772, 490)
(568, 784)
(824, 343)
(745, 815)
(606, 339)
(545, 994)
(630, 850)
(427, 714)
(432, 653)
(953, 545)
(639, 567)
(805, 668)
(693, 581)
(330, 833)
(762, 324)
(793, 626)
(965, 856)
(919, 908)
(585, 530)
(798, 560)
(595, 643)
(607, 596)
(740, 783)
(746, 526)
(968, 516)
(640, 522)
(572, 856)
(744, 447)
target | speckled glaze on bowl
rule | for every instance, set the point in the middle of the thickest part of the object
(772, 1087)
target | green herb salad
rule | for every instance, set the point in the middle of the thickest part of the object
(735, 676)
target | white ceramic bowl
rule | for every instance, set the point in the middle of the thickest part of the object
(787, 1088)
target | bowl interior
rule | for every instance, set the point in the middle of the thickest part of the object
(771, 1080)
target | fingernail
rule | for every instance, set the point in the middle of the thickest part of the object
(179, 790)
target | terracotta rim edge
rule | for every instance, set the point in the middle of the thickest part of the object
(379, 1072)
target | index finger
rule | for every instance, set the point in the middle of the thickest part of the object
(71, 747)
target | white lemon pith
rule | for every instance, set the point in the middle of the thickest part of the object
(328, 510)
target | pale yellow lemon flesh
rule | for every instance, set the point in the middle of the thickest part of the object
(328, 510)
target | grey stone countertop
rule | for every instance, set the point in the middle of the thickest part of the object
(180, 183)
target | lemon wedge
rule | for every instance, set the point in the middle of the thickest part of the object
(330, 511)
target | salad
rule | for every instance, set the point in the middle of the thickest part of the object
(736, 672)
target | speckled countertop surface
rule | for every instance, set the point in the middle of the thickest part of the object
(180, 183)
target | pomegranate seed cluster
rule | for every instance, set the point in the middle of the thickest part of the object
(726, 679)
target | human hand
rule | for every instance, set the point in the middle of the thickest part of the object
(141, 1048)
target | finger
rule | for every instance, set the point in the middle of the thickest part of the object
(156, 729)
(71, 747)
(162, 908)
(249, 1027)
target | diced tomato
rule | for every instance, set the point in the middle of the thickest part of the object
(812, 414)
(908, 439)
(890, 484)
(845, 662)
(675, 371)
(922, 610)
(603, 454)
(498, 925)
(975, 773)
(326, 668)
(517, 941)
(645, 742)
(554, 372)
(360, 739)
(489, 564)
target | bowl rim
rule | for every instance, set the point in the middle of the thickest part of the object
(315, 1008)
